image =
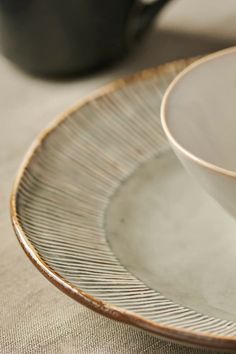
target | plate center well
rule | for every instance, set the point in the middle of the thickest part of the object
(167, 232)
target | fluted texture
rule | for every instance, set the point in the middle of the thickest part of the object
(65, 190)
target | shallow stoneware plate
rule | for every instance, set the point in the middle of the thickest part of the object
(106, 212)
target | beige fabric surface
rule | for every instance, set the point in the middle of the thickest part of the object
(35, 317)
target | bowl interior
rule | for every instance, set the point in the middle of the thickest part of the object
(200, 110)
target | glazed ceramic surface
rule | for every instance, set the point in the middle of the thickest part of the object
(106, 212)
(66, 36)
(198, 116)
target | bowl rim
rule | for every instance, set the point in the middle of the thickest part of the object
(164, 116)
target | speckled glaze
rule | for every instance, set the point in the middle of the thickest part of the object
(64, 210)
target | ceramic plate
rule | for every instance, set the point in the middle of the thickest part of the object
(106, 212)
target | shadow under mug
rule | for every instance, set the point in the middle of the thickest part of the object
(66, 36)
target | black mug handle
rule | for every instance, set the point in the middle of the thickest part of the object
(146, 13)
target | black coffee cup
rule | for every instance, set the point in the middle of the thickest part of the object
(66, 36)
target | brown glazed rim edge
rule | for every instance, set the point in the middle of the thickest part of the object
(164, 116)
(168, 332)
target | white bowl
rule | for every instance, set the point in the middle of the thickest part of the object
(198, 115)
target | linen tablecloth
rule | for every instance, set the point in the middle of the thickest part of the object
(35, 317)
